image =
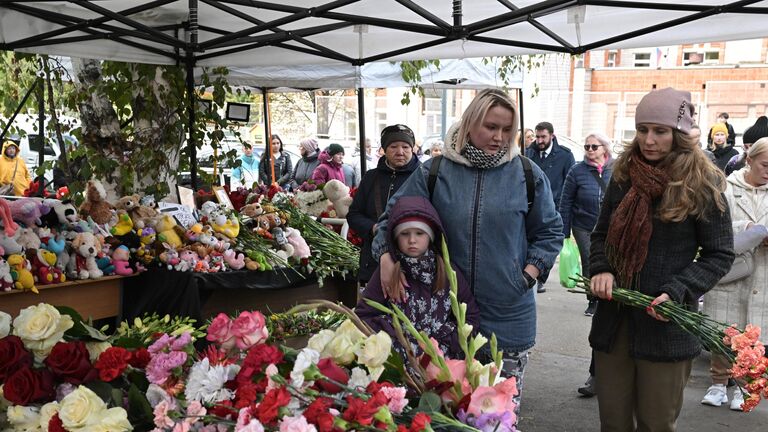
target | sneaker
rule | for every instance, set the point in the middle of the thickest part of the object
(590, 310)
(540, 287)
(588, 390)
(715, 396)
(738, 400)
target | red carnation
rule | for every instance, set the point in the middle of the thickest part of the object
(269, 406)
(420, 422)
(70, 362)
(13, 356)
(333, 371)
(223, 409)
(259, 357)
(359, 411)
(112, 362)
(55, 424)
(28, 385)
(140, 358)
(246, 395)
(319, 406)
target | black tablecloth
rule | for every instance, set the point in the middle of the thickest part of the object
(184, 293)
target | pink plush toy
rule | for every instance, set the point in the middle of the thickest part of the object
(300, 246)
(9, 225)
(234, 260)
(28, 211)
(120, 258)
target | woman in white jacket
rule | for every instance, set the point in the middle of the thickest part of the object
(743, 301)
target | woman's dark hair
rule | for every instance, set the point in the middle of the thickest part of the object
(266, 149)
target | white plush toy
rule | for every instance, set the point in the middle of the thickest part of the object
(300, 246)
(338, 194)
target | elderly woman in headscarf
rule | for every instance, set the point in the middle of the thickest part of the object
(306, 165)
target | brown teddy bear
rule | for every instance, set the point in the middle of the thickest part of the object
(140, 214)
(95, 204)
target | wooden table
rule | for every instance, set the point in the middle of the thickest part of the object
(94, 298)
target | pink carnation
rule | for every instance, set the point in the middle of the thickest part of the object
(397, 400)
(181, 342)
(296, 424)
(249, 329)
(162, 421)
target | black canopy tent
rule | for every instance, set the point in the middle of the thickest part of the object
(356, 32)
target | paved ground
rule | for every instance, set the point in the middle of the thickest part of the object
(558, 366)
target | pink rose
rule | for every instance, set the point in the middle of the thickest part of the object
(220, 331)
(249, 329)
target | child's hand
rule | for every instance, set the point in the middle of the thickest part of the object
(393, 290)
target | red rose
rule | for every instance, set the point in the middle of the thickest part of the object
(333, 371)
(274, 399)
(28, 385)
(55, 424)
(112, 362)
(319, 406)
(420, 422)
(69, 361)
(13, 356)
(140, 358)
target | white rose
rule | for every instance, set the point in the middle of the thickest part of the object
(350, 330)
(375, 350)
(24, 418)
(5, 324)
(81, 408)
(40, 327)
(95, 349)
(112, 420)
(341, 349)
(46, 412)
(320, 340)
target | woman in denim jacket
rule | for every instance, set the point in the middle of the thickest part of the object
(497, 242)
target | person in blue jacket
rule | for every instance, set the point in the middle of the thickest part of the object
(499, 243)
(579, 207)
(555, 160)
(248, 171)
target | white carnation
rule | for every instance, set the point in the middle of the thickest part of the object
(206, 383)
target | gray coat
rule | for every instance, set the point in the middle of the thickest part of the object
(672, 267)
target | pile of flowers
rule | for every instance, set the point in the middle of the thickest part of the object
(750, 364)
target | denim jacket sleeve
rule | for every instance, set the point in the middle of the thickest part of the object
(543, 226)
(416, 185)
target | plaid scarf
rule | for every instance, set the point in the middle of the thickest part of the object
(422, 269)
(480, 159)
(632, 223)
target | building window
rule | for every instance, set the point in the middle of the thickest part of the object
(701, 57)
(642, 59)
(712, 57)
(578, 61)
(612, 57)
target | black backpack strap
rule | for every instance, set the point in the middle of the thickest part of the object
(530, 186)
(433, 169)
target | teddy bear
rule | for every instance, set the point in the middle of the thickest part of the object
(6, 280)
(265, 223)
(187, 260)
(121, 260)
(63, 214)
(44, 267)
(252, 210)
(95, 204)
(22, 277)
(82, 264)
(140, 214)
(338, 194)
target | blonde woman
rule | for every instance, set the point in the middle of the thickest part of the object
(744, 301)
(499, 242)
(664, 230)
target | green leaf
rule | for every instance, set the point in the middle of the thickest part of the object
(139, 410)
(429, 402)
(102, 389)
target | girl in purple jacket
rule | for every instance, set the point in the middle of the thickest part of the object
(416, 239)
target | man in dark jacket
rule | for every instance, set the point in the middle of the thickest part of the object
(555, 161)
(377, 186)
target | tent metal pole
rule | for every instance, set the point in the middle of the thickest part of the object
(268, 134)
(522, 117)
(443, 115)
(191, 96)
(457, 14)
(18, 109)
(361, 126)
(40, 137)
